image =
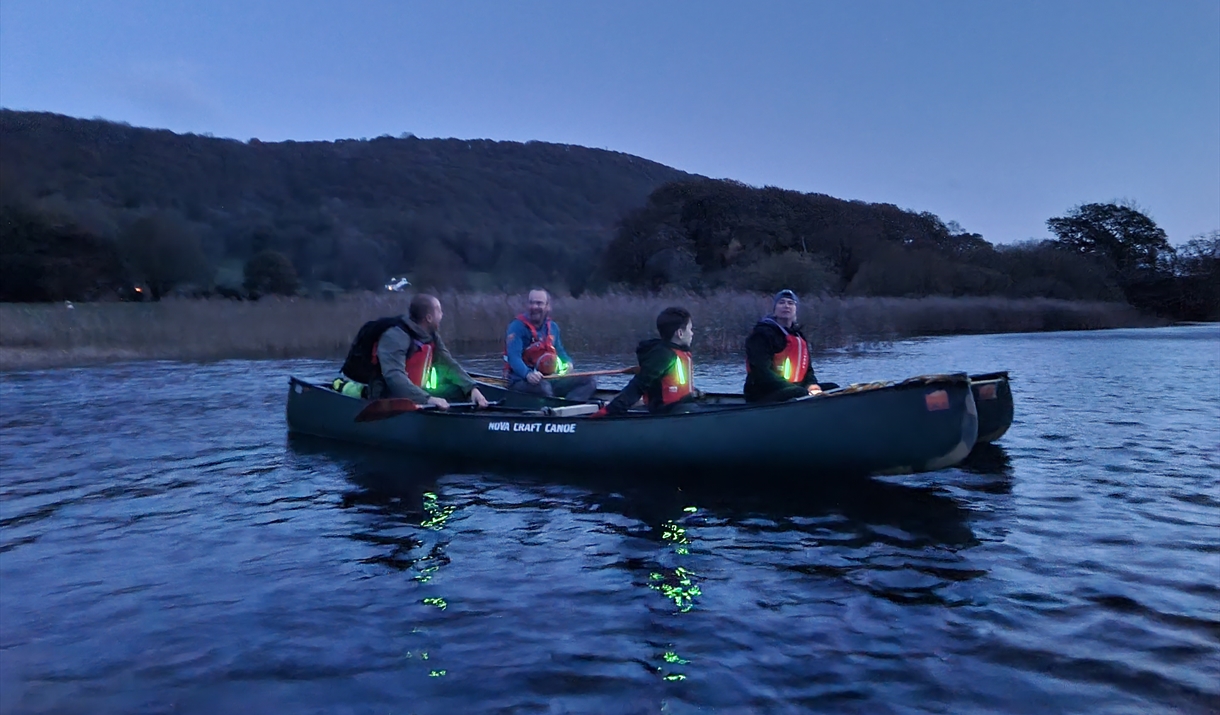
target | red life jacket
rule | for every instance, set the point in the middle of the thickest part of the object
(531, 353)
(677, 383)
(419, 364)
(791, 363)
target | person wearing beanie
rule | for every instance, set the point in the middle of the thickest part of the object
(778, 364)
(664, 380)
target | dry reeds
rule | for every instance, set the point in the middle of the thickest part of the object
(52, 335)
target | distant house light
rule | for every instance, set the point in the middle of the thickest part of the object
(397, 285)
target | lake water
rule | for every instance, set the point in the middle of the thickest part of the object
(166, 547)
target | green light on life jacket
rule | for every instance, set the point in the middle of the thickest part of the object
(430, 383)
(681, 372)
(787, 368)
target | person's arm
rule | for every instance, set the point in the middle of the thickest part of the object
(650, 372)
(514, 344)
(392, 352)
(559, 351)
(760, 355)
(810, 377)
(454, 372)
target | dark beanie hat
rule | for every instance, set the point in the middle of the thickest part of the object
(785, 293)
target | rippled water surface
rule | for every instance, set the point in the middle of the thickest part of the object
(166, 547)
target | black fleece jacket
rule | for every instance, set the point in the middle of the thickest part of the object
(765, 340)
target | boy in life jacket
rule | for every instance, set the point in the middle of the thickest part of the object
(664, 381)
(778, 364)
(404, 356)
(533, 350)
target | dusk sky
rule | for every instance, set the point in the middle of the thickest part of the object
(998, 115)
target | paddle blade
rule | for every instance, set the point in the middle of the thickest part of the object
(389, 407)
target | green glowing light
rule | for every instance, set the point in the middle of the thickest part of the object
(683, 594)
(436, 673)
(691, 509)
(672, 657)
(431, 382)
(437, 514)
(681, 372)
(787, 368)
(423, 654)
(438, 602)
(675, 676)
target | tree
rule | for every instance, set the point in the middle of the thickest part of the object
(270, 272)
(163, 252)
(1119, 233)
(1198, 274)
(44, 258)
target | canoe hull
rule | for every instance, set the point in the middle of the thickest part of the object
(993, 399)
(920, 425)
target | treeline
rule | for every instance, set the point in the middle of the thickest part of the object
(709, 235)
(92, 210)
(80, 195)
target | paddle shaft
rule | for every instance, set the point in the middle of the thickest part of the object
(593, 373)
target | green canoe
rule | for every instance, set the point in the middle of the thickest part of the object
(921, 424)
(993, 398)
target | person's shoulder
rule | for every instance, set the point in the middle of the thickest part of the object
(396, 334)
(765, 326)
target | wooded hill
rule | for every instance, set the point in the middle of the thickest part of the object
(89, 209)
(349, 212)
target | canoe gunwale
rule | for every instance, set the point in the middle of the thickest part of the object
(917, 382)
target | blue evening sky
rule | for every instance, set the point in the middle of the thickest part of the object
(995, 114)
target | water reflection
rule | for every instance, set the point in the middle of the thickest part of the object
(867, 509)
(989, 459)
(404, 515)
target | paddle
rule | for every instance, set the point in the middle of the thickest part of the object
(592, 373)
(392, 406)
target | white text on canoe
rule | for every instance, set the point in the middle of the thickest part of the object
(546, 427)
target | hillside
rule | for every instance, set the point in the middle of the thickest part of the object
(348, 212)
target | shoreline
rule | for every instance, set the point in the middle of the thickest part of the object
(46, 336)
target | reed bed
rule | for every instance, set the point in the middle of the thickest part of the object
(58, 335)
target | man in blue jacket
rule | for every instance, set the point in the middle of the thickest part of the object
(533, 350)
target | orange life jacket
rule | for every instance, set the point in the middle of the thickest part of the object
(419, 365)
(531, 353)
(793, 361)
(677, 383)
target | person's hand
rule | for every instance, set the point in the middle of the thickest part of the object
(534, 377)
(440, 402)
(477, 398)
(815, 389)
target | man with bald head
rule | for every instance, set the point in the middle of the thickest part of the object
(533, 350)
(408, 358)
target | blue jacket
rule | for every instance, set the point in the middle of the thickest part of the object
(519, 338)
